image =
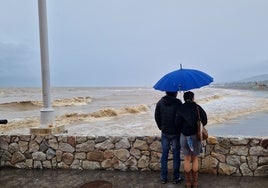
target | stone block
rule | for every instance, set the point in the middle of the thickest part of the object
(156, 146)
(212, 140)
(95, 156)
(47, 131)
(122, 154)
(226, 169)
(140, 144)
(264, 143)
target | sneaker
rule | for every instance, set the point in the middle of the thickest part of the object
(176, 181)
(163, 181)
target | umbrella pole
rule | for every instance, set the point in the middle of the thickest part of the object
(180, 96)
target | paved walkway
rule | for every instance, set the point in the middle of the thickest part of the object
(58, 178)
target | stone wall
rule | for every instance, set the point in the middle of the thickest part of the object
(230, 156)
(235, 156)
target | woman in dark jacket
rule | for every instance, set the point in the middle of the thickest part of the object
(190, 145)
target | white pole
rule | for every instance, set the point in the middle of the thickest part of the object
(47, 113)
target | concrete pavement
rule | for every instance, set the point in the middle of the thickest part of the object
(57, 178)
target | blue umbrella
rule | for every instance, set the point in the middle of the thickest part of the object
(183, 80)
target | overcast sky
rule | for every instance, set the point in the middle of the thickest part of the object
(133, 42)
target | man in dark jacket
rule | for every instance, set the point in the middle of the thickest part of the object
(165, 114)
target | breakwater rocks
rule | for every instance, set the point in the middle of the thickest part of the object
(230, 156)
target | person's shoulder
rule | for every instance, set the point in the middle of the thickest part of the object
(200, 107)
(190, 105)
(160, 100)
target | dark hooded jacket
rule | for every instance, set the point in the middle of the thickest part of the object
(165, 114)
(187, 117)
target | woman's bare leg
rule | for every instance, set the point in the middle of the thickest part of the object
(195, 163)
(188, 170)
(195, 171)
(187, 163)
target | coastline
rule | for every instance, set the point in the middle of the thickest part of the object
(104, 112)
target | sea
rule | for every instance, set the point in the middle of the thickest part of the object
(128, 111)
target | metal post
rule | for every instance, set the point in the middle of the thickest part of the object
(47, 113)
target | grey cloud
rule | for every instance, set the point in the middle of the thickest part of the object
(116, 43)
(17, 65)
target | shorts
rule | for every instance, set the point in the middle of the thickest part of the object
(197, 145)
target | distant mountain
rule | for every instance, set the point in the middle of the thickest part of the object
(259, 82)
(258, 78)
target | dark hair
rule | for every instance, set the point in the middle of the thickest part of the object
(188, 96)
(172, 93)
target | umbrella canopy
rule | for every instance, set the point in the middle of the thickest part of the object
(183, 80)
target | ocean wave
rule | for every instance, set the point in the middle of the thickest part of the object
(76, 101)
(110, 112)
(20, 106)
(77, 118)
(33, 105)
(20, 123)
(230, 107)
(210, 98)
(101, 114)
(109, 107)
